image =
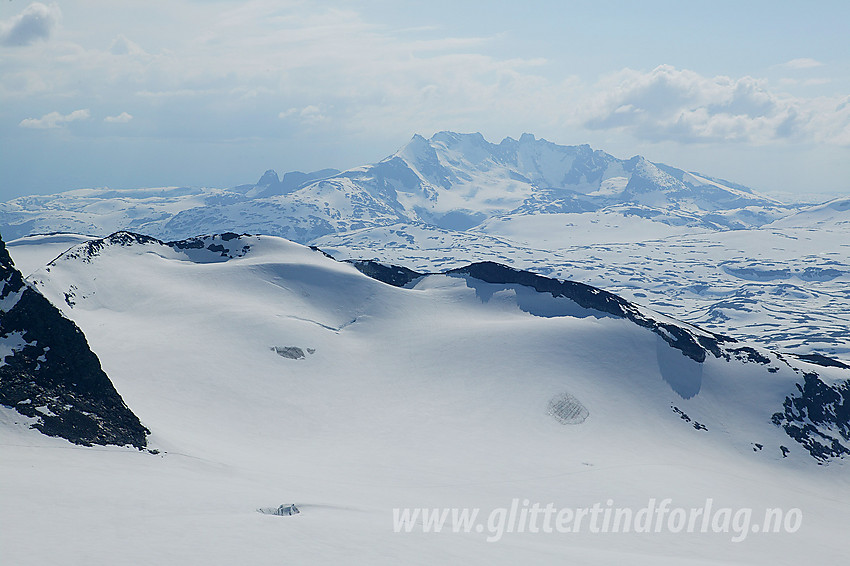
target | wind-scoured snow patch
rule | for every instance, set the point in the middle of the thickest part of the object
(566, 409)
(683, 374)
(212, 249)
(10, 299)
(281, 510)
(292, 352)
(11, 344)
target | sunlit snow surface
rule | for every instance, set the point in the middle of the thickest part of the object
(421, 397)
(784, 286)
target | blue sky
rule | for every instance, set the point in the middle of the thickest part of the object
(151, 93)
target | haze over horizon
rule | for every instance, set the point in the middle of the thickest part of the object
(212, 94)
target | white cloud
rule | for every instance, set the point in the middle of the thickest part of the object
(179, 93)
(802, 63)
(816, 82)
(308, 115)
(123, 46)
(223, 73)
(681, 105)
(55, 119)
(122, 118)
(312, 114)
(34, 23)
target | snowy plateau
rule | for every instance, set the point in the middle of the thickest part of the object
(461, 325)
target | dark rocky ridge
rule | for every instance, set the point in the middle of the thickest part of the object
(821, 360)
(694, 344)
(270, 184)
(818, 417)
(227, 245)
(51, 373)
(389, 274)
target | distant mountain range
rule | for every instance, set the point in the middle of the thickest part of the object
(450, 181)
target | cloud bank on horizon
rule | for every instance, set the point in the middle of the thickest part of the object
(35, 22)
(200, 93)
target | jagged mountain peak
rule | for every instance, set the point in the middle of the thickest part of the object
(449, 159)
(454, 139)
(270, 177)
(271, 184)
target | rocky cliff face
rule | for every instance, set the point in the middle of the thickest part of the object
(49, 373)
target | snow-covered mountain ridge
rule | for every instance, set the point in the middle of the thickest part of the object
(810, 415)
(454, 181)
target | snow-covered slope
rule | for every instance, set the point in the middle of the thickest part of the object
(453, 181)
(103, 211)
(281, 376)
(833, 215)
(34, 252)
(100, 211)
